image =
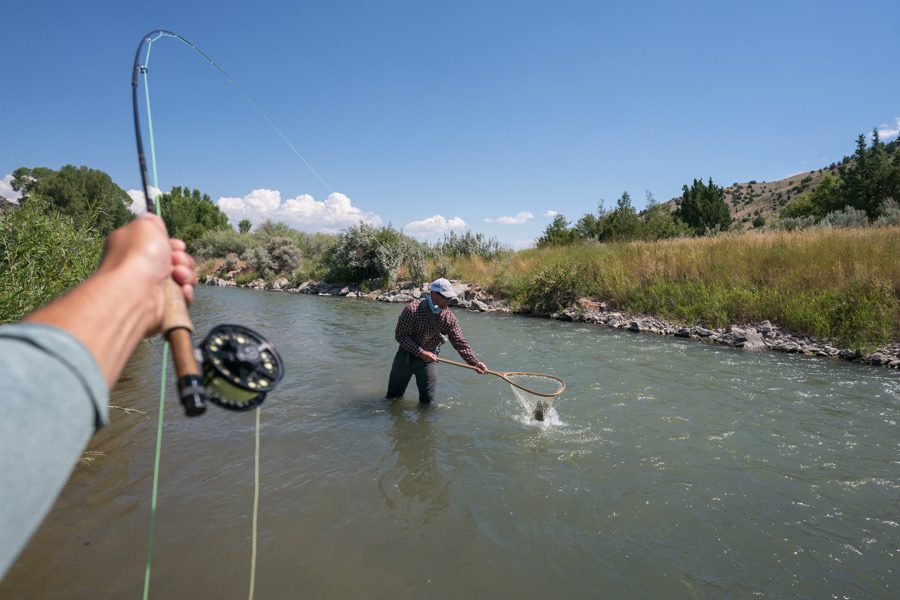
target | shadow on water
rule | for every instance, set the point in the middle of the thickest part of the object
(411, 482)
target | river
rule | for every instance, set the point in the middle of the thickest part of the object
(668, 468)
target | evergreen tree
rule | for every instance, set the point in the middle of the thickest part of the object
(702, 207)
(621, 224)
(557, 233)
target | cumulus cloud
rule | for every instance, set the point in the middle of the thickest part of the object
(433, 226)
(304, 212)
(138, 203)
(520, 218)
(6, 189)
(551, 213)
(887, 132)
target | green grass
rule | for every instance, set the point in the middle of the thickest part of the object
(841, 285)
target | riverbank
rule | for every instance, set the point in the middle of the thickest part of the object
(758, 336)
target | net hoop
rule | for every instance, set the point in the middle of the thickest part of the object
(560, 387)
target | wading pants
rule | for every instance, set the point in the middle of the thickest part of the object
(405, 366)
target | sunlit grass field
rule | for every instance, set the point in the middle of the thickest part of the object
(837, 284)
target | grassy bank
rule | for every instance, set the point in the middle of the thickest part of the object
(838, 284)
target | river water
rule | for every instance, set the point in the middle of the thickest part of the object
(668, 468)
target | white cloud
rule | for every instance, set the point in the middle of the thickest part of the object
(887, 132)
(303, 212)
(520, 218)
(521, 244)
(6, 189)
(138, 204)
(433, 226)
(551, 213)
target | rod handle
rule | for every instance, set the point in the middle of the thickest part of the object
(177, 329)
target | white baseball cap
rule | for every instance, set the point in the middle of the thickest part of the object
(443, 287)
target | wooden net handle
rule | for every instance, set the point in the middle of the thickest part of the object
(505, 377)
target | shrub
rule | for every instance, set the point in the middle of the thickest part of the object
(42, 254)
(847, 218)
(552, 288)
(258, 259)
(284, 254)
(218, 243)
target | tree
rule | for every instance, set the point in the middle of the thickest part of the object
(557, 233)
(189, 214)
(86, 195)
(703, 208)
(244, 226)
(871, 178)
(621, 224)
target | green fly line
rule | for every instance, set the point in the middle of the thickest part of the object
(144, 71)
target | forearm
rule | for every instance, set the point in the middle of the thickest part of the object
(106, 313)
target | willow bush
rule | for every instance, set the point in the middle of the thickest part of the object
(42, 254)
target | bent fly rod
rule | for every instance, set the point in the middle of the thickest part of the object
(239, 366)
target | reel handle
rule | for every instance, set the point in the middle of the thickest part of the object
(177, 329)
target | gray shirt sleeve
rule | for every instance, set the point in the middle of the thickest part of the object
(52, 399)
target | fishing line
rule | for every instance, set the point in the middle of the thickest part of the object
(260, 367)
(160, 33)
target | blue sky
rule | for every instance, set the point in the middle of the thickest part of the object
(488, 115)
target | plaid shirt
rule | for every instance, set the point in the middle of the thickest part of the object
(415, 333)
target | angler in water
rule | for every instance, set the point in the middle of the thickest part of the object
(420, 330)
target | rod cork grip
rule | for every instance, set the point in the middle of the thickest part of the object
(175, 313)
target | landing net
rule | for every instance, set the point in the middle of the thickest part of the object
(536, 393)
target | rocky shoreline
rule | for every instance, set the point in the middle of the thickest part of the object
(749, 337)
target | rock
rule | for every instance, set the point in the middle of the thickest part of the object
(876, 358)
(753, 342)
(683, 332)
(280, 284)
(479, 306)
(635, 327)
(587, 304)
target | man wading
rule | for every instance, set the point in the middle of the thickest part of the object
(419, 332)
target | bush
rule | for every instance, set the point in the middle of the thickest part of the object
(366, 252)
(468, 245)
(42, 254)
(847, 218)
(258, 260)
(797, 223)
(284, 254)
(218, 243)
(417, 264)
(553, 287)
(231, 262)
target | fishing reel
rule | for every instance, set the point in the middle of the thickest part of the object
(238, 368)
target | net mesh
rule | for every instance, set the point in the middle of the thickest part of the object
(535, 404)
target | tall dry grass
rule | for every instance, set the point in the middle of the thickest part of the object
(840, 284)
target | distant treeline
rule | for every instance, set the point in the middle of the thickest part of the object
(865, 191)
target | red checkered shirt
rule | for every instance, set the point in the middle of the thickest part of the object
(415, 333)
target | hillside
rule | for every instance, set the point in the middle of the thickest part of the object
(765, 198)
